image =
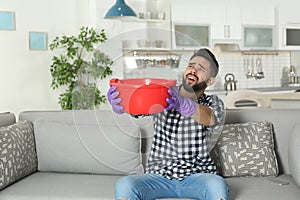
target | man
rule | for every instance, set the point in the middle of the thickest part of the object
(179, 164)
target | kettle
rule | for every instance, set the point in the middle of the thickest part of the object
(230, 82)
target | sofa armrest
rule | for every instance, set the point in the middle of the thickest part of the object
(293, 153)
(7, 118)
(17, 152)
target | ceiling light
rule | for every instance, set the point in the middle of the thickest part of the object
(120, 9)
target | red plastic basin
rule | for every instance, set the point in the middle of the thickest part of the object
(143, 95)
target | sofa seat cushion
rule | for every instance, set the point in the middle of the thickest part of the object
(54, 186)
(59, 186)
(261, 188)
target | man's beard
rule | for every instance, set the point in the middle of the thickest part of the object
(195, 88)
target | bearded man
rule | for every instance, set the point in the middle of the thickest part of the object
(179, 164)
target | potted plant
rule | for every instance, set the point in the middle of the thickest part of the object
(78, 67)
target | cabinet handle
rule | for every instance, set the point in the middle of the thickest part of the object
(226, 31)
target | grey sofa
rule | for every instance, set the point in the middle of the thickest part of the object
(81, 154)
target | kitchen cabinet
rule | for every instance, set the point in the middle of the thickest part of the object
(259, 15)
(226, 22)
(289, 13)
(188, 11)
(224, 19)
(288, 17)
(258, 37)
(190, 36)
(259, 33)
(191, 25)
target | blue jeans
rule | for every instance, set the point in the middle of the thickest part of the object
(202, 186)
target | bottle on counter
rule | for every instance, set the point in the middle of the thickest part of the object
(293, 77)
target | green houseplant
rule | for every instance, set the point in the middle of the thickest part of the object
(78, 67)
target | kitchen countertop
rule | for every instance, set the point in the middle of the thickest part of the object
(276, 89)
(263, 99)
(262, 90)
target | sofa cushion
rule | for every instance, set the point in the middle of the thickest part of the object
(263, 188)
(294, 149)
(17, 152)
(62, 186)
(87, 147)
(54, 186)
(246, 149)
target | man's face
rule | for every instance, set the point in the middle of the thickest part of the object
(197, 75)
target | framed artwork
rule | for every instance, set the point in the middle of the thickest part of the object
(7, 20)
(38, 40)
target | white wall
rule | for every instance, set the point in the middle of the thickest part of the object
(25, 74)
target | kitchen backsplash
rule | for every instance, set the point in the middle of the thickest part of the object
(275, 68)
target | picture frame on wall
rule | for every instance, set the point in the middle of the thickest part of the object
(38, 40)
(7, 20)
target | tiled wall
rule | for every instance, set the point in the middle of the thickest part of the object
(275, 68)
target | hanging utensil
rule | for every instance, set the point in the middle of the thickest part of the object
(248, 67)
(252, 67)
(260, 74)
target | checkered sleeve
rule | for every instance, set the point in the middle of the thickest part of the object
(217, 107)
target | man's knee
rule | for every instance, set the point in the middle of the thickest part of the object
(125, 188)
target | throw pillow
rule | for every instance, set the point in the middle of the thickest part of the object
(17, 152)
(246, 149)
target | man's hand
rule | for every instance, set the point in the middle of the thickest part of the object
(182, 104)
(114, 100)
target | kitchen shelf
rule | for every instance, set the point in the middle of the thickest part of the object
(138, 20)
(150, 52)
(260, 52)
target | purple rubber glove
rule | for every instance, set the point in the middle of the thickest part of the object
(112, 96)
(182, 104)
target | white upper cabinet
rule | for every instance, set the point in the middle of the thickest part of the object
(226, 21)
(191, 25)
(288, 18)
(223, 19)
(259, 27)
(191, 11)
(258, 14)
(289, 13)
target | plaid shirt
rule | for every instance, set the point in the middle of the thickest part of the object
(180, 145)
